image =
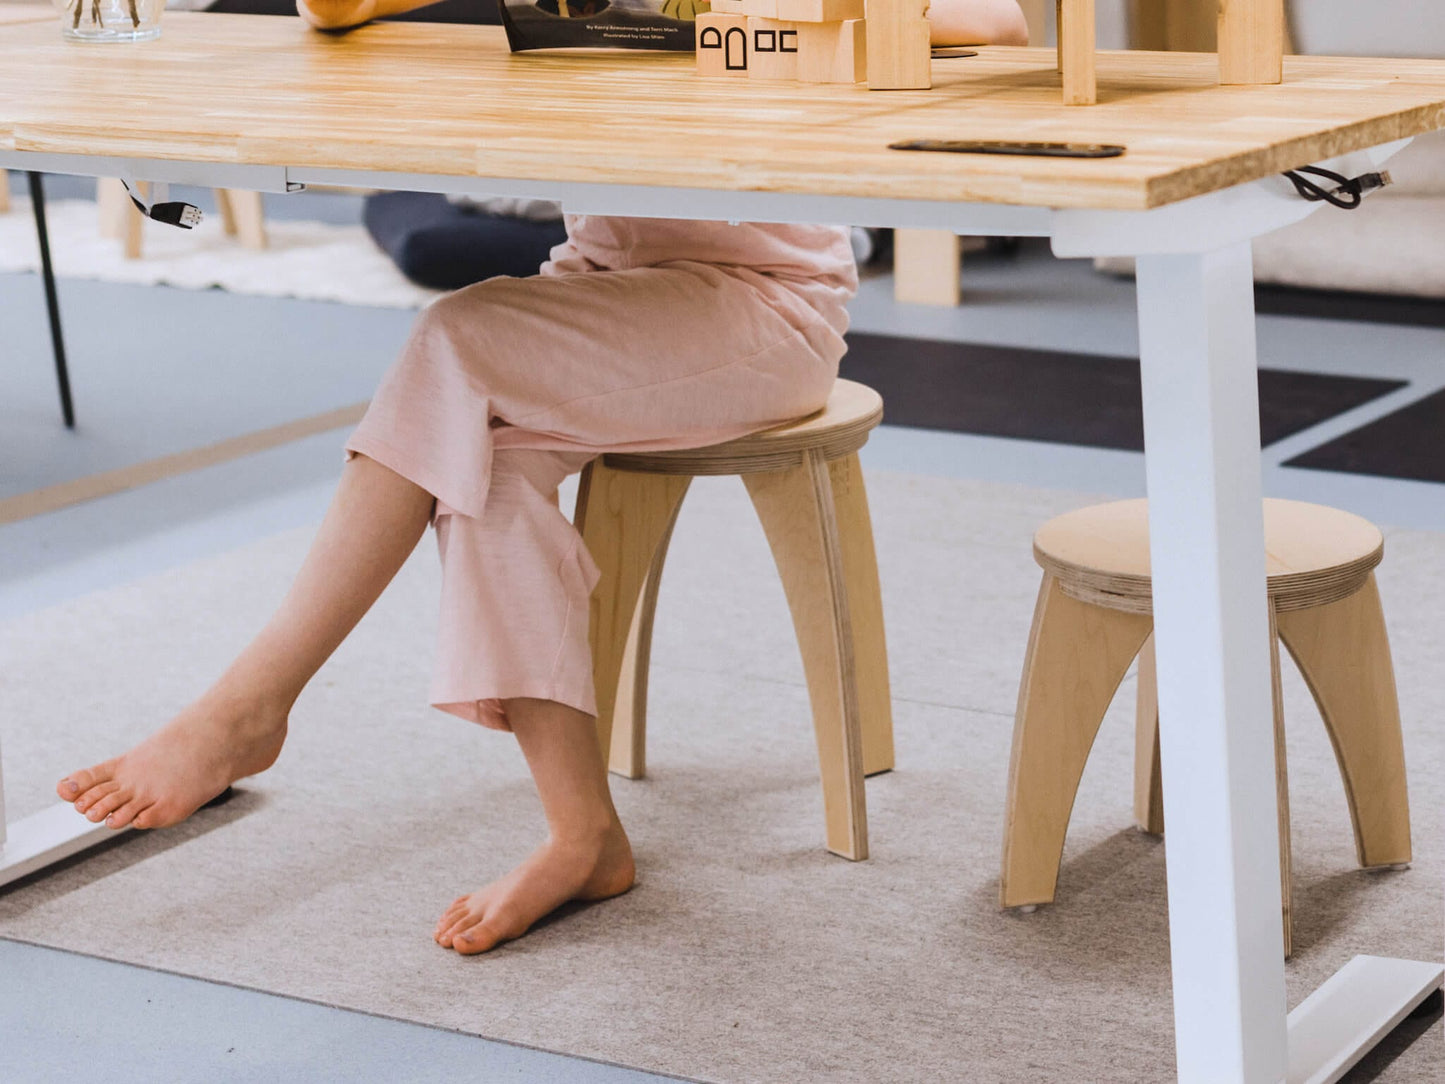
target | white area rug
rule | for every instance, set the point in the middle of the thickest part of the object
(745, 953)
(314, 261)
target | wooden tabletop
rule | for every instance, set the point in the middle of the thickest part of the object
(28, 13)
(451, 100)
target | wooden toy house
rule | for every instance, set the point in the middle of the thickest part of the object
(817, 41)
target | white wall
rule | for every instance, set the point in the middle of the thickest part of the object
(1369, 27)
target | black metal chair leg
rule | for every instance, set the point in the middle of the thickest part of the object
(52, 303)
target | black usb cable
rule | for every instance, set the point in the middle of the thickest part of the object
(185, 215)
(1349, 193)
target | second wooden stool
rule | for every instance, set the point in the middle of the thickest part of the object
(1093, 618)
(807, 488)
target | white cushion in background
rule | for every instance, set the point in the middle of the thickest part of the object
(1418, 170)
(1389, 246)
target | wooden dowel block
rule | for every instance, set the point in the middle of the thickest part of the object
(1251, 41)
(820, 11)
(761, 9)
(722, 44)
(898, 45)
(772, 49)
(833, 52)
(1076, 51)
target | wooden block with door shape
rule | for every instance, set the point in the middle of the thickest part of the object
(722, 44)
(807, 488)
(1093, 619)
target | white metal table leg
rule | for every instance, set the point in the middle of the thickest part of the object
(1206, 525)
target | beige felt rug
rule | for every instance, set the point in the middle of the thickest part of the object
(745, 953)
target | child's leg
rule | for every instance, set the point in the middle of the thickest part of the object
(514, 654)
(586, 854)
(236, 728)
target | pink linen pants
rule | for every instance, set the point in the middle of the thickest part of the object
(507, 387)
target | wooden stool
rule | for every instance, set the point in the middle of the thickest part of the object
(807, 488)
(1093, 618)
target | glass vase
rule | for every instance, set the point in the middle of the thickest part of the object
(110, 20)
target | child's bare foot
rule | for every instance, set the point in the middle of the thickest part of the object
(556, 872)
(180, 767)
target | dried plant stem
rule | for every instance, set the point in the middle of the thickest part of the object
(79, 7)
(134, 15)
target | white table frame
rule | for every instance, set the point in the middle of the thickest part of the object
(1201, 424)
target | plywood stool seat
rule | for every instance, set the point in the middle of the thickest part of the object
(1093, 618)
(807, 488)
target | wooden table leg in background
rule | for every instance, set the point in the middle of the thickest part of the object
(243, 217)
(926, 267)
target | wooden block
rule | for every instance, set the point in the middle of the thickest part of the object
(762, 9)
(722, 44)
(820, 11)
(833, 52)
(1251, 41)
(898, 45)
(772, 49)
(1076, 51)
(728, 7)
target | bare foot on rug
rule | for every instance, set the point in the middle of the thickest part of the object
(556, 872)
(180, 767)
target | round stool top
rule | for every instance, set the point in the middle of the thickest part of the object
(839, 429)
(1313, 554)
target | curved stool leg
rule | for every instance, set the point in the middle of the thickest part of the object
(1077, 655)
(628, 754)
(865, 608)
(1344, 654)
(799, 518)
(1281, 790)
(1148, 791)
(625, 519)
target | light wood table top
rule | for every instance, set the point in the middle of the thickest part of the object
(28, 13)
(451, 100)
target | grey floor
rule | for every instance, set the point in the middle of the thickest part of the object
(159, 370)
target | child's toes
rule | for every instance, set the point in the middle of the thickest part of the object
(126, 813)
(75, 784)
(477, 938)
(93, 795)
(108, 805)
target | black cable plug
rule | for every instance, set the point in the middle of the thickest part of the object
(185, 215)
(1349, 193)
